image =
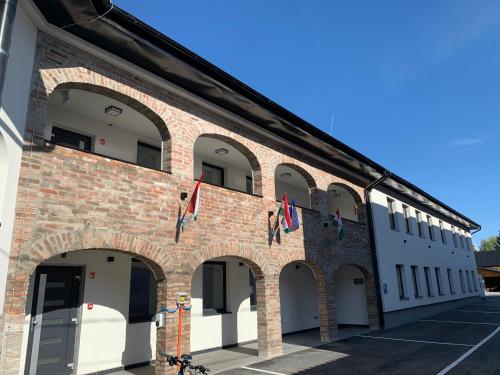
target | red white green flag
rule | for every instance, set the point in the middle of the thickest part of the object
(284, 211)
(194, 203)
(338, 219)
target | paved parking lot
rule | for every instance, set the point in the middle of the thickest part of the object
(461, 341)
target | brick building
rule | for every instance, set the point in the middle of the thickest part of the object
(116, 123)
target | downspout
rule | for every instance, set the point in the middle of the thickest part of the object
(386, 174)
(7, 15)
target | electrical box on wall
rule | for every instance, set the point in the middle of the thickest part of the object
(160, 320)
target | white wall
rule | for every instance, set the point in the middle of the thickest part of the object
(299, 302)
(105, 339)
(301, 196)
(12, 124)
(240, 325)
(422, 252)
(119, 143)
(350, 298)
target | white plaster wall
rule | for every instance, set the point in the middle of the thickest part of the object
(105, 339)
(422, 252)
(119, 143)
(239, 325)
(351, 298)
(301, 195)
(299, 302)
(12, 124)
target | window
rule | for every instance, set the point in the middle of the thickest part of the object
(439, 281)
(430, 227)
(392, 213)
(249, 184)
(443, 234)
(462, 241)
(469, 285)
(401, 284)
(419, 224)
(474, 280)
(212, 174)
(148, 156)
(253, 290)
(468, 242)
(416, 281)
(454, 234)
(71, 139)
(406, 212)
(142, 301)
(450, 281)
(428, 281)
(214, 288)
(462, 283)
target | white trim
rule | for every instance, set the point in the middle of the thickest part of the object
(264, 371)
(454, 322)
(418, 341)
(478, 311)
(468, 353)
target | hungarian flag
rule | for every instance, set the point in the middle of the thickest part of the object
(338, 219)
(194, 203)
(286, 222)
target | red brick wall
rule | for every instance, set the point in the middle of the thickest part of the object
(71, 200)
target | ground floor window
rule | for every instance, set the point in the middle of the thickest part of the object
(428, 281)
(214, 288)
(142, 302)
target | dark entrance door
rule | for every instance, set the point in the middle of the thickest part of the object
(53, 320)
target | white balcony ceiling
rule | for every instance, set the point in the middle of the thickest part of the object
(296, 179)
(205, 148)
(91, 106)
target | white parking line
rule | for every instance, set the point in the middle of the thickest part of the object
(418, 341)
(484, 312)
(264, 371)
(455, 322)
(468, 353)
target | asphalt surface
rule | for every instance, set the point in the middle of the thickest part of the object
(461, 341)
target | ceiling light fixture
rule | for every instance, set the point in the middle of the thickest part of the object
(286, 175)
(113, 111)
(222, 151)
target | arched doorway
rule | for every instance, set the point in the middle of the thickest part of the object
(224, 306)
(350, 298)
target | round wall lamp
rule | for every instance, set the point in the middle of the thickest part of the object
(286, 175)
(222, 151)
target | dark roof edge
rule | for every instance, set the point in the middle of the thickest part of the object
(153, 36)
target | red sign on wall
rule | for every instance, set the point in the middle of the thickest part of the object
(102, 141)
(92, 275)
(90, 306)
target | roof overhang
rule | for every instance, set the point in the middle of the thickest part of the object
(125, 36)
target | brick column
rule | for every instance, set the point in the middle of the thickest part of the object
(166, 337)
(371, 302)
(324, 315)
(269, 316)
(329, 329)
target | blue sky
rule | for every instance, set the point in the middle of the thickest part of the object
(414, 86)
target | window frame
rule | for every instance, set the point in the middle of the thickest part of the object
(416, 281)
(474, 281)
(221, 169)
(391, 209)
(428, 282)
(418, 216)
(224, 310)
(430, 227)
(86, 138)
(400, 269)
(443, 233)
(151, 147)
(462, 282)
(253, 290)
(469, 283)
(440, 290)
(451, 283)
(407, 216)
(146, 317)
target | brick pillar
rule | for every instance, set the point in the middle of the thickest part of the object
(166, 337)
(329, 328)
(371, 302)
(269, 316)
(324, 316)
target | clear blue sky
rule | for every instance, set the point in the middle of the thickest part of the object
(414, 86)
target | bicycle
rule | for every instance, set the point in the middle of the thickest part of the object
(184, 364)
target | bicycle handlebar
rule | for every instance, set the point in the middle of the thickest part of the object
(184, 362)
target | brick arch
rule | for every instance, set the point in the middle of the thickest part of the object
(357, 199)
(311, 183)
(364, 265)
(134, 103)
(56, 244)
(252, 257)
(249, 155)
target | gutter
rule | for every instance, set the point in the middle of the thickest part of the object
(385, 175)
(7, 15)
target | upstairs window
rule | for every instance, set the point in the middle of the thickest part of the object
(406, 213)
(430, 227)
(462, 241)
(249, 184)
(148, 156)
(454, 234)
(392, 213)
(420, 224)
(212, 174)
(71, 139)
(443, 233)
